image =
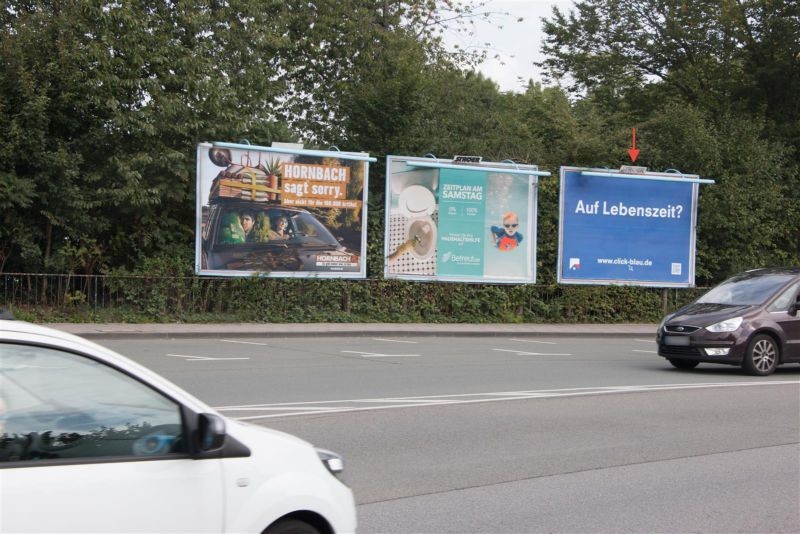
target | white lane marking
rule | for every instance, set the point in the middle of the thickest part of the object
(378, 355)
(281, 408)
(242, 342)
(521, 353)
(190, 358)
(458, 395)
(412, 400)
(534, 341)
(645, 340)
(646, 351)
(393, 340)
(506, 393)
(312, 408)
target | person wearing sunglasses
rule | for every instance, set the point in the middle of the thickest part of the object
(507, 237)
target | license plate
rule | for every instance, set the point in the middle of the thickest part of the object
(676, 340)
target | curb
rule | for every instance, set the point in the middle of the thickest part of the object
(189, 331)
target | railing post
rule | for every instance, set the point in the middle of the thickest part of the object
(346, 299)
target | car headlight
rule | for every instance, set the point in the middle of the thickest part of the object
(332, 461)
(662, 323)
(728, 325)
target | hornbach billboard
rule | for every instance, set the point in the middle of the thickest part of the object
(280, 212)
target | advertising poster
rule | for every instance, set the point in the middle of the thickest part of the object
(466, 223)
(627, 230)
(280, 212)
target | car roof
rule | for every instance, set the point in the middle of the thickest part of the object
(10, 327)
(255, 205)
(775, 270)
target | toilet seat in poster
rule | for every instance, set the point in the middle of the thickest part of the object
(413, 229)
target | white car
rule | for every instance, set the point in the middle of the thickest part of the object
(90, 441)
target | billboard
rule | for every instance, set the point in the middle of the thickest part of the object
(280, 212)
(631, 229)
(465, 222)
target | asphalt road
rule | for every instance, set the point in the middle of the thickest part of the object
(516, 435)
(230, 371)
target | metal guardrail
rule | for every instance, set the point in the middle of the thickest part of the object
(281, 300)
(68, 291)
(25, 289)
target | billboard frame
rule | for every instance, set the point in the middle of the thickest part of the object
(505, 167)
(234, 273)
(667, 176)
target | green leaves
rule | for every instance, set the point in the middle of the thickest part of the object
(714, 88)
(102, 105)
(719, 55)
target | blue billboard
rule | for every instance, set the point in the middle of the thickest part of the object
(627, 229)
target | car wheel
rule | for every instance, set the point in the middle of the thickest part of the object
(684, 364)
(761, 357)
(291, 526)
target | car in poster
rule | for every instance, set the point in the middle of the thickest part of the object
(749, 320)
(305, 245)
(91, 441)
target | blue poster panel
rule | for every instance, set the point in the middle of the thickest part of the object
(635, 230)
(466, 223)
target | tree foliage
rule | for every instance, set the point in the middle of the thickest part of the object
(103, 103)
(718, 54)
(714, 87)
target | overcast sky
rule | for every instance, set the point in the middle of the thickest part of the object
(517, 43)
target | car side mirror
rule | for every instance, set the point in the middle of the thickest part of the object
(210, 432)
(794, 307)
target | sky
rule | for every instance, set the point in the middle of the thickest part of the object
(517, 43)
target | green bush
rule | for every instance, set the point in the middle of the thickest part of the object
(136, 297)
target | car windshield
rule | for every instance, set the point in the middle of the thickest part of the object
(746, 289)
(272, 226)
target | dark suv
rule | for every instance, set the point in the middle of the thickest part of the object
(280, 239)
(750, 320)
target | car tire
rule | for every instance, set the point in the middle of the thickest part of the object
(291, 526)
(684, 364)
(762, 356)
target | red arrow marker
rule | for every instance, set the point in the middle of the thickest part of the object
(633, 152)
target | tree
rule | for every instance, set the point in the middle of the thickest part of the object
(718, 54)
(336, 45)
(102, 104)
(714, 87)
